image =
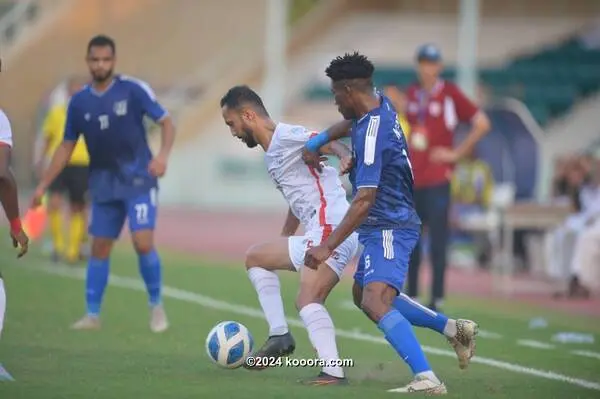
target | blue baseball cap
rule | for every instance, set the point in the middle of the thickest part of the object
(429, 52)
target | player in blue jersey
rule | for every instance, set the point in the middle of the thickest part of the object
(383, 213)
(123, 173)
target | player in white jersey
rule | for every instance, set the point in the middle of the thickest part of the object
(316, 200)
(10, 203)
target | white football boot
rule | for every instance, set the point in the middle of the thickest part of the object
(464, 341)
(158, 319)
(422, 385)
(87, 322)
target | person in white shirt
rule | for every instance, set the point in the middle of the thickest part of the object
(585, 263)
(317, 200)
(562, 243)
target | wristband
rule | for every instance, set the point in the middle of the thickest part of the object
(314, 143)
(15, 225)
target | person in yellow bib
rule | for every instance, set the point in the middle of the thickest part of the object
(398, 98)
(472, 188)
(72, 182)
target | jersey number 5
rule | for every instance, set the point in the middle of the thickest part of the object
(103, 119)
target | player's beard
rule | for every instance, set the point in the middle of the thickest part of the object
(102, 76)
(249, 139)
(347, 114)
(250, 142)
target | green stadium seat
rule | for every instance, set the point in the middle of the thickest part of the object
(549, 82)
(540, 112)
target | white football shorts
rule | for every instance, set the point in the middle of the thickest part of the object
(298, 245)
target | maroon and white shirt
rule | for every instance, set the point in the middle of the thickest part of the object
(433, 117)
(5, 130)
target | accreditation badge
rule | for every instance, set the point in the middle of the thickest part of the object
(418, 138)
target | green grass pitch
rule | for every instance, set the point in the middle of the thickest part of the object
(126, 360)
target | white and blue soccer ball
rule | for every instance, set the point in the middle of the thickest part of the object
(228, 344)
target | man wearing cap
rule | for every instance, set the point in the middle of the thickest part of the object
(435, 107)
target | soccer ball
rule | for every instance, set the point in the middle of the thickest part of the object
(228, 344)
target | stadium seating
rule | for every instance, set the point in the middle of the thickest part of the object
(9, 26)
(549, 81)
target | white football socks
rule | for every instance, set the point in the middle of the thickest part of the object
(321, 333)
(2, 304)
(450, 328)
(429, 375)
(266, 284)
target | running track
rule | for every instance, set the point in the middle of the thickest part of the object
(226, 237)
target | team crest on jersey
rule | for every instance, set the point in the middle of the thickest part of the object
(120, 108)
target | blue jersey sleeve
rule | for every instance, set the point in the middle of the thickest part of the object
(145, 98)
(72, 130)
(369, 153)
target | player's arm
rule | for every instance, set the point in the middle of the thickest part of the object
(155, 111)
(343, 153)
(310, 154)
(46, 139)
(61, 156)
(167, 132)
(368, 172)
(291, 224)
(335, 132)
(468, 112)
(8, 188)
(336, 148)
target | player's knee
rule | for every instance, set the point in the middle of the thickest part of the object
(143, 248)
(307, 296)
(77, 207)
(101, 249)
(372, 303)
(253, 257)
(54, 202)
(143, 242)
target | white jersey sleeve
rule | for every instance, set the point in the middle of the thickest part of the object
(316, 199)
(5, 130)
(295, 136)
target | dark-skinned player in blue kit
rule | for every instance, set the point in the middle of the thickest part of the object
(123, 173)
(383, 213)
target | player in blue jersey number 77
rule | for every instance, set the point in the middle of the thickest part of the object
(123, 173)
(383, 213)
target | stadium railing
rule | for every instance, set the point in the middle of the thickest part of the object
(16, 19)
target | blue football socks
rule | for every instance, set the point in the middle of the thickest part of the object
(399, 333)
(95, 284)
(418, 315)
(151, 271)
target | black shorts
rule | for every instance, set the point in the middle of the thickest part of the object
(73, 181)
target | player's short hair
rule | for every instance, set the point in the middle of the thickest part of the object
(238, 96)
(102, 41)
(351, 67)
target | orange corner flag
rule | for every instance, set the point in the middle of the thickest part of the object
(34, 221)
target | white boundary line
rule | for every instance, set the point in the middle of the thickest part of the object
(593, 355)
(208, 302)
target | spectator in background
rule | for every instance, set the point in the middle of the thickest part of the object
(560, 185)
(585, 264)
(434, 109)
(584, 195)
(398, 98)
(472, 188)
